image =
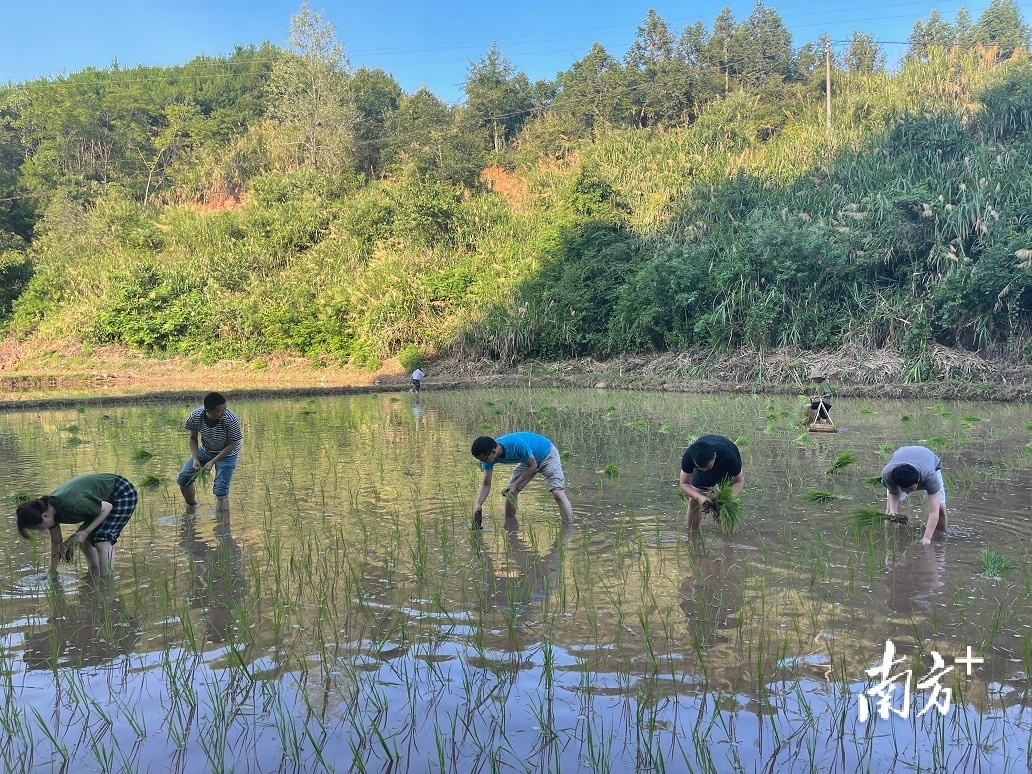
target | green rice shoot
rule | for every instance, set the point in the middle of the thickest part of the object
(201, 475)
(150, 481)
(141, 455)
(874, 480)
(819, 496)
(842, 461)
(993, 564)
(869, 517)
(727, 509)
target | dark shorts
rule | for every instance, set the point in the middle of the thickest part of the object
(123, 502)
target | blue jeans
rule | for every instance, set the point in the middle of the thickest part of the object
(223, 471)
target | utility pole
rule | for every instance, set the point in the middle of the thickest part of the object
(827, 80)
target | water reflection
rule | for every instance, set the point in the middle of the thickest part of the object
(520, 577)
(216, 574)
(915, 577)
(711, 594)
(87, 626)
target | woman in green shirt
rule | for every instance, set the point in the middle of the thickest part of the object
(99, 503)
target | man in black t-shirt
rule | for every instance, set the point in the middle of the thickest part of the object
(706, 463)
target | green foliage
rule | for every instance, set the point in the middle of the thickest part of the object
(993, 564)
(411, 357)
(842, 461)
(686, 196)
(869, 517)
(819, 496)
(727, 509)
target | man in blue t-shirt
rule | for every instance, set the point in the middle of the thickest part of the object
(707, 462)
(532, 454)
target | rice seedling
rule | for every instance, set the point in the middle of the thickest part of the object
(993, 564)
(869, 517)
(612, 470)
(151, 481)
(202, 475)
(842, 461)
(873, 480)
(819, 496)
(727, 509)
(141, 455)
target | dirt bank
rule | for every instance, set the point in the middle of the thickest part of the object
(63, 377)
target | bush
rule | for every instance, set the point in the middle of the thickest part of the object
(411, 357)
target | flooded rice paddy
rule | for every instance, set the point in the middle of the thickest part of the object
(344, 616)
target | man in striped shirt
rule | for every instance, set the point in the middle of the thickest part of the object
(215, 440)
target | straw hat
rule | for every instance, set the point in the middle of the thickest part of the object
(817, 373)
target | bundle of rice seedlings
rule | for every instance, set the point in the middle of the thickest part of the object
(993, 564)
(150, 481)
(873, 480)
(141, 455)
(727, 509)
(68, 548)
(843, 460)
(819, 496)
(869, 517)
(202, 474)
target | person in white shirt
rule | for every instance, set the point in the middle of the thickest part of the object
(417, 377)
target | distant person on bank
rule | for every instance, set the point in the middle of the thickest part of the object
(706, 463)
(532, 454)
(99, 503)
(417, 378)
(215, 441)
(912, 468)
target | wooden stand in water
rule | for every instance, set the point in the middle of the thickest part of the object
(825, 427)
(821, 421)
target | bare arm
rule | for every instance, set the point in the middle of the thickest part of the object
(56, 543)
(891, 502)
(933, 518)
(485, 490)
(194, 449)
(525, 476)
(685, 482)
(84, 532)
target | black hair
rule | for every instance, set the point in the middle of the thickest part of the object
(701, 453)
(904, 475)
(30, 515)
(485, 444)
(214, 400)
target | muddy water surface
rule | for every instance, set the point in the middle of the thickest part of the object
(343, 615)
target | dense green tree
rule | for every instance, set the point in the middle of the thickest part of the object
(761, 48)
(659, 83)
(424, 137)
(718, 56)
(594, 91)
(310, 97)
(963, 28)
(864, 56)
(1001, 25)
(926, 35)
(498, 99)
(376, 95)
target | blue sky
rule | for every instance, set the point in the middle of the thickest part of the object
(417, 42)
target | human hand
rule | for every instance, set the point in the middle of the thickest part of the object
(196, 463)
(926, 541)
(80, 537)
